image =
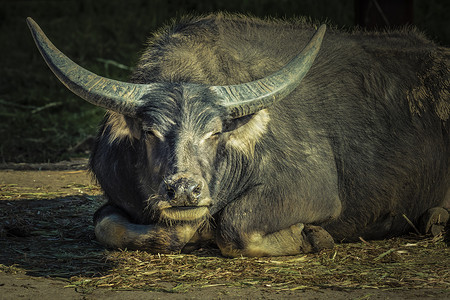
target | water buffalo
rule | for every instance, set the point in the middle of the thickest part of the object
(226, 134)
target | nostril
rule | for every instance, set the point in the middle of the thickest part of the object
(196, 191)
(170, 193)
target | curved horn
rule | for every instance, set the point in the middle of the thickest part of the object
(247, 98)
(111, 94)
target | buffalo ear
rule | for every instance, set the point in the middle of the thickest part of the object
(119, 127)
(243, 133)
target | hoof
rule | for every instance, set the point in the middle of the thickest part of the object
(433, 221)
(318, 237)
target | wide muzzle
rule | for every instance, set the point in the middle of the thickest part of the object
(183, 197)
(183, 191)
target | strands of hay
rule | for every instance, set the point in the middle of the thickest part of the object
(393, 264)
(51, 235)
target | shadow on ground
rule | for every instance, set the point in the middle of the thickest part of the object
(51, 237)
(47, 244)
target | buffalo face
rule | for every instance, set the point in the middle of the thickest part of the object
(180, 137)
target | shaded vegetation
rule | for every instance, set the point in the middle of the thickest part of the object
(41, 121)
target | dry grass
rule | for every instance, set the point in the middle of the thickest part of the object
(52, 235)
(394, 264)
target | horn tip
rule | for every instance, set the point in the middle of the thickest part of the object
(322, 28)
(30, 21)
(32, 25)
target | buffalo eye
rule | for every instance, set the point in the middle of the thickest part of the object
(215, 135)
(236, 123)
(152, 133)
(149, 134)
(211, 136)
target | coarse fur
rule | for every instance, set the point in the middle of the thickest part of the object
(361, 142)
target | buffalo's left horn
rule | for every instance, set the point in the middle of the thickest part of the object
(118, 96)
(247, 98)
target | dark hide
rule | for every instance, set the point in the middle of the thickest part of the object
(363, 140)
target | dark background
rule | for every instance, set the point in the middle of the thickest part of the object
(40, 121)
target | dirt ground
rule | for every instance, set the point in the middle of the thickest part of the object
(48, 251)
(28, 287)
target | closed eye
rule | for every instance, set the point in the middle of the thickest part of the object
(154, 133)
(211, 135)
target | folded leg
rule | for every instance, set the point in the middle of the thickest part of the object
(290, 241)
(114, 229)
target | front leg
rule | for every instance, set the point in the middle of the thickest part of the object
(114, 229)
(263, 223)
(293, 240)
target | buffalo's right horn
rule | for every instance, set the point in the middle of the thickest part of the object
(111, 94)
(247, 98)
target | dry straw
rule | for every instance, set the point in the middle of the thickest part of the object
(47, 233)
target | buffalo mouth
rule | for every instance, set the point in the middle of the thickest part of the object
(184, 213)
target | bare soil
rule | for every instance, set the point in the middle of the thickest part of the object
(48, 250)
